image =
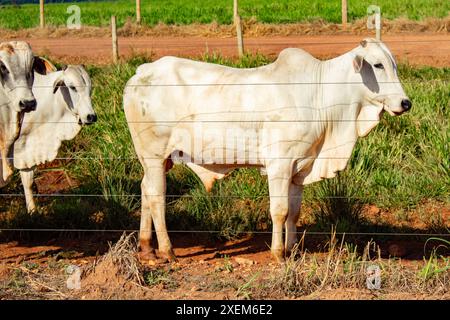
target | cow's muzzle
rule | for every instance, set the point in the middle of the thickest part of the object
(27, 105)
(406, 105)
(91, 118)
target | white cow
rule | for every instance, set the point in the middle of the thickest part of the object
(16, 78)
(64, 99)
(297, 118)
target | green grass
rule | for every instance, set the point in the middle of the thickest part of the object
(188, 11)
(403, 162)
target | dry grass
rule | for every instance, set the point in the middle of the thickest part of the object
(251, 28)
(338, 271)
(31, 281)
(341, 267)
(115, 274)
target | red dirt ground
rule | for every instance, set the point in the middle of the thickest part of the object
(206, 269)
(425, 49)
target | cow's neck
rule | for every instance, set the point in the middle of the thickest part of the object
(338, 103)
(43, 132)
(341, 97)
(66, 121)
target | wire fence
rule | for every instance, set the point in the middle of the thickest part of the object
(252, 42)
(210, 44)
(306, 232)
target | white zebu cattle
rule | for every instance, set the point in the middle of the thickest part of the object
(64, 99)
(16, 78)
(299, 118)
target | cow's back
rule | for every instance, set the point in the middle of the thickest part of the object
(177, 88)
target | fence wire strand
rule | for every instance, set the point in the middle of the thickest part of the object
(238, 232)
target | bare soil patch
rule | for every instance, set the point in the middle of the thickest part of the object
(431, 50)
(206, 269)
(418, 43)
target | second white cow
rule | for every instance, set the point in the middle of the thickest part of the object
(297, 118)
(64, 99)
(17, 66)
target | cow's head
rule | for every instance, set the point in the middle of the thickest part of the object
(382, 90)
(16, 74)
(75, 86)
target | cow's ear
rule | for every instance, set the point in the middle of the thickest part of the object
(43, 66)
(358, 63)
(367, 119)
(58, 83)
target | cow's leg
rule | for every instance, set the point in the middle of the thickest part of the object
(279, 184)
(145, 232)
(295, 201)
(26, 176)
(153, 203)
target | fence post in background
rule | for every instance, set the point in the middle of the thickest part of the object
(138, 11)
(378, 25)
(41, 14)
(374, 20)
(238, 24)
(344, 13)
(115, 46)
(240, 39)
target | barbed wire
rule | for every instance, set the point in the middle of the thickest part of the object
(410, 234)
(106, 196)
(207, 42)
(157, 195)
(247, 160)
(166, 122)
(240, 84)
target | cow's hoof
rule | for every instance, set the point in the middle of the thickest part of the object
(278, 255)
(147, 257)
(168, 256)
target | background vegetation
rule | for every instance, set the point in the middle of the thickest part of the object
(96, 13)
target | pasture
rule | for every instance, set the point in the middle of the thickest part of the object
(396, 182)
(398, 167)
(185, 12)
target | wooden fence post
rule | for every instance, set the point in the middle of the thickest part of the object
(138, 11)
(344, 13)
(378, 25)
(41, 14)
(238, 24)
(240, 40)
(235, 10)
(374, 20)
(115, 46)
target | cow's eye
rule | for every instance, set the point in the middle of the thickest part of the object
(379, 66)
(73, 88)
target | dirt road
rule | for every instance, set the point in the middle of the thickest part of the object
(425, 49)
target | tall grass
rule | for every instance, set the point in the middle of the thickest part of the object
(207, 11)
(402, 163)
